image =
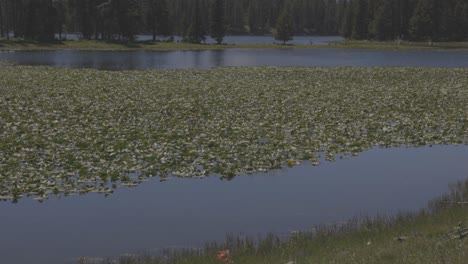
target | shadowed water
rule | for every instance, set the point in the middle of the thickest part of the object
(189, 212)
(137, 60)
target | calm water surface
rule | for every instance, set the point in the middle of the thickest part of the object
(136, 60)
(189, 212)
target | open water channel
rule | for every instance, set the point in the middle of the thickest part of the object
(317, 57)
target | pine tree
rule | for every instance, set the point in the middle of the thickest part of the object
(445, 23)
(360, 20)
(284, 27)
(235, 17)
(196, 33)
(41, 19)
(252, 17)
(151, 18)
(83, 17)
(61, 13)
(330, 20)
(164, 20)
(347, 23)
(1, 20)
(158, 18)
(463, 22)
(459, 21)
(421, 24)
(404, 12)
(217, 21)
(382, 25)
(129, 17)
(107, 20)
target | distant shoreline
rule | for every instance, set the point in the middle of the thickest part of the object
(18, 44)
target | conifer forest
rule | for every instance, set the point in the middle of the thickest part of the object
(194, 20)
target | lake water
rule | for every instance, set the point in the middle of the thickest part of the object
(189, 212)
(137, 60)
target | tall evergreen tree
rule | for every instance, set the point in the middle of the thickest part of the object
(197, 32)
(19, 18)
(446, 22)
(218, 21)
(235, 17)
(5, 18)
(1, 19)
(158, 18)
(403, 12)
(330, 18)
(129, 17)
(61, 16)
(83, 17)
(41, 19)
(463, 21)
(284, 27)
(107, 21)
(360, 20)
(252, 17)
(381, 26)
(421, 24)
(459, 21)
(346, 29)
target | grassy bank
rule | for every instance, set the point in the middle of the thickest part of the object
(128, 46)
(67, 131)
(399, 45)
(168, 46)
(435, 235)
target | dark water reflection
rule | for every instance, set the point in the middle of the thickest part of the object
(136, 60)
(187, 212)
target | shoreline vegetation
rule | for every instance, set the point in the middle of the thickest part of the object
(19, 44)
(437, 234)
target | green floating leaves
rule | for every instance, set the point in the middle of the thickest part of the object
(74, 131)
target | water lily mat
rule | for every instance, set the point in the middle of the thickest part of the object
(68, 131)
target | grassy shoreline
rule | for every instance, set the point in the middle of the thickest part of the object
(433, 235)
(401, 45)
(132, 46)
(17, 44)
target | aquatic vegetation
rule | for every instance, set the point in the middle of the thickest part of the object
(74, 131)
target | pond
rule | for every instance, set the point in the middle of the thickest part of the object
(317, 57)
(189, 212)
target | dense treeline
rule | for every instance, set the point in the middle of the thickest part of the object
(428, 20)
(106, 19)
(195, 19)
